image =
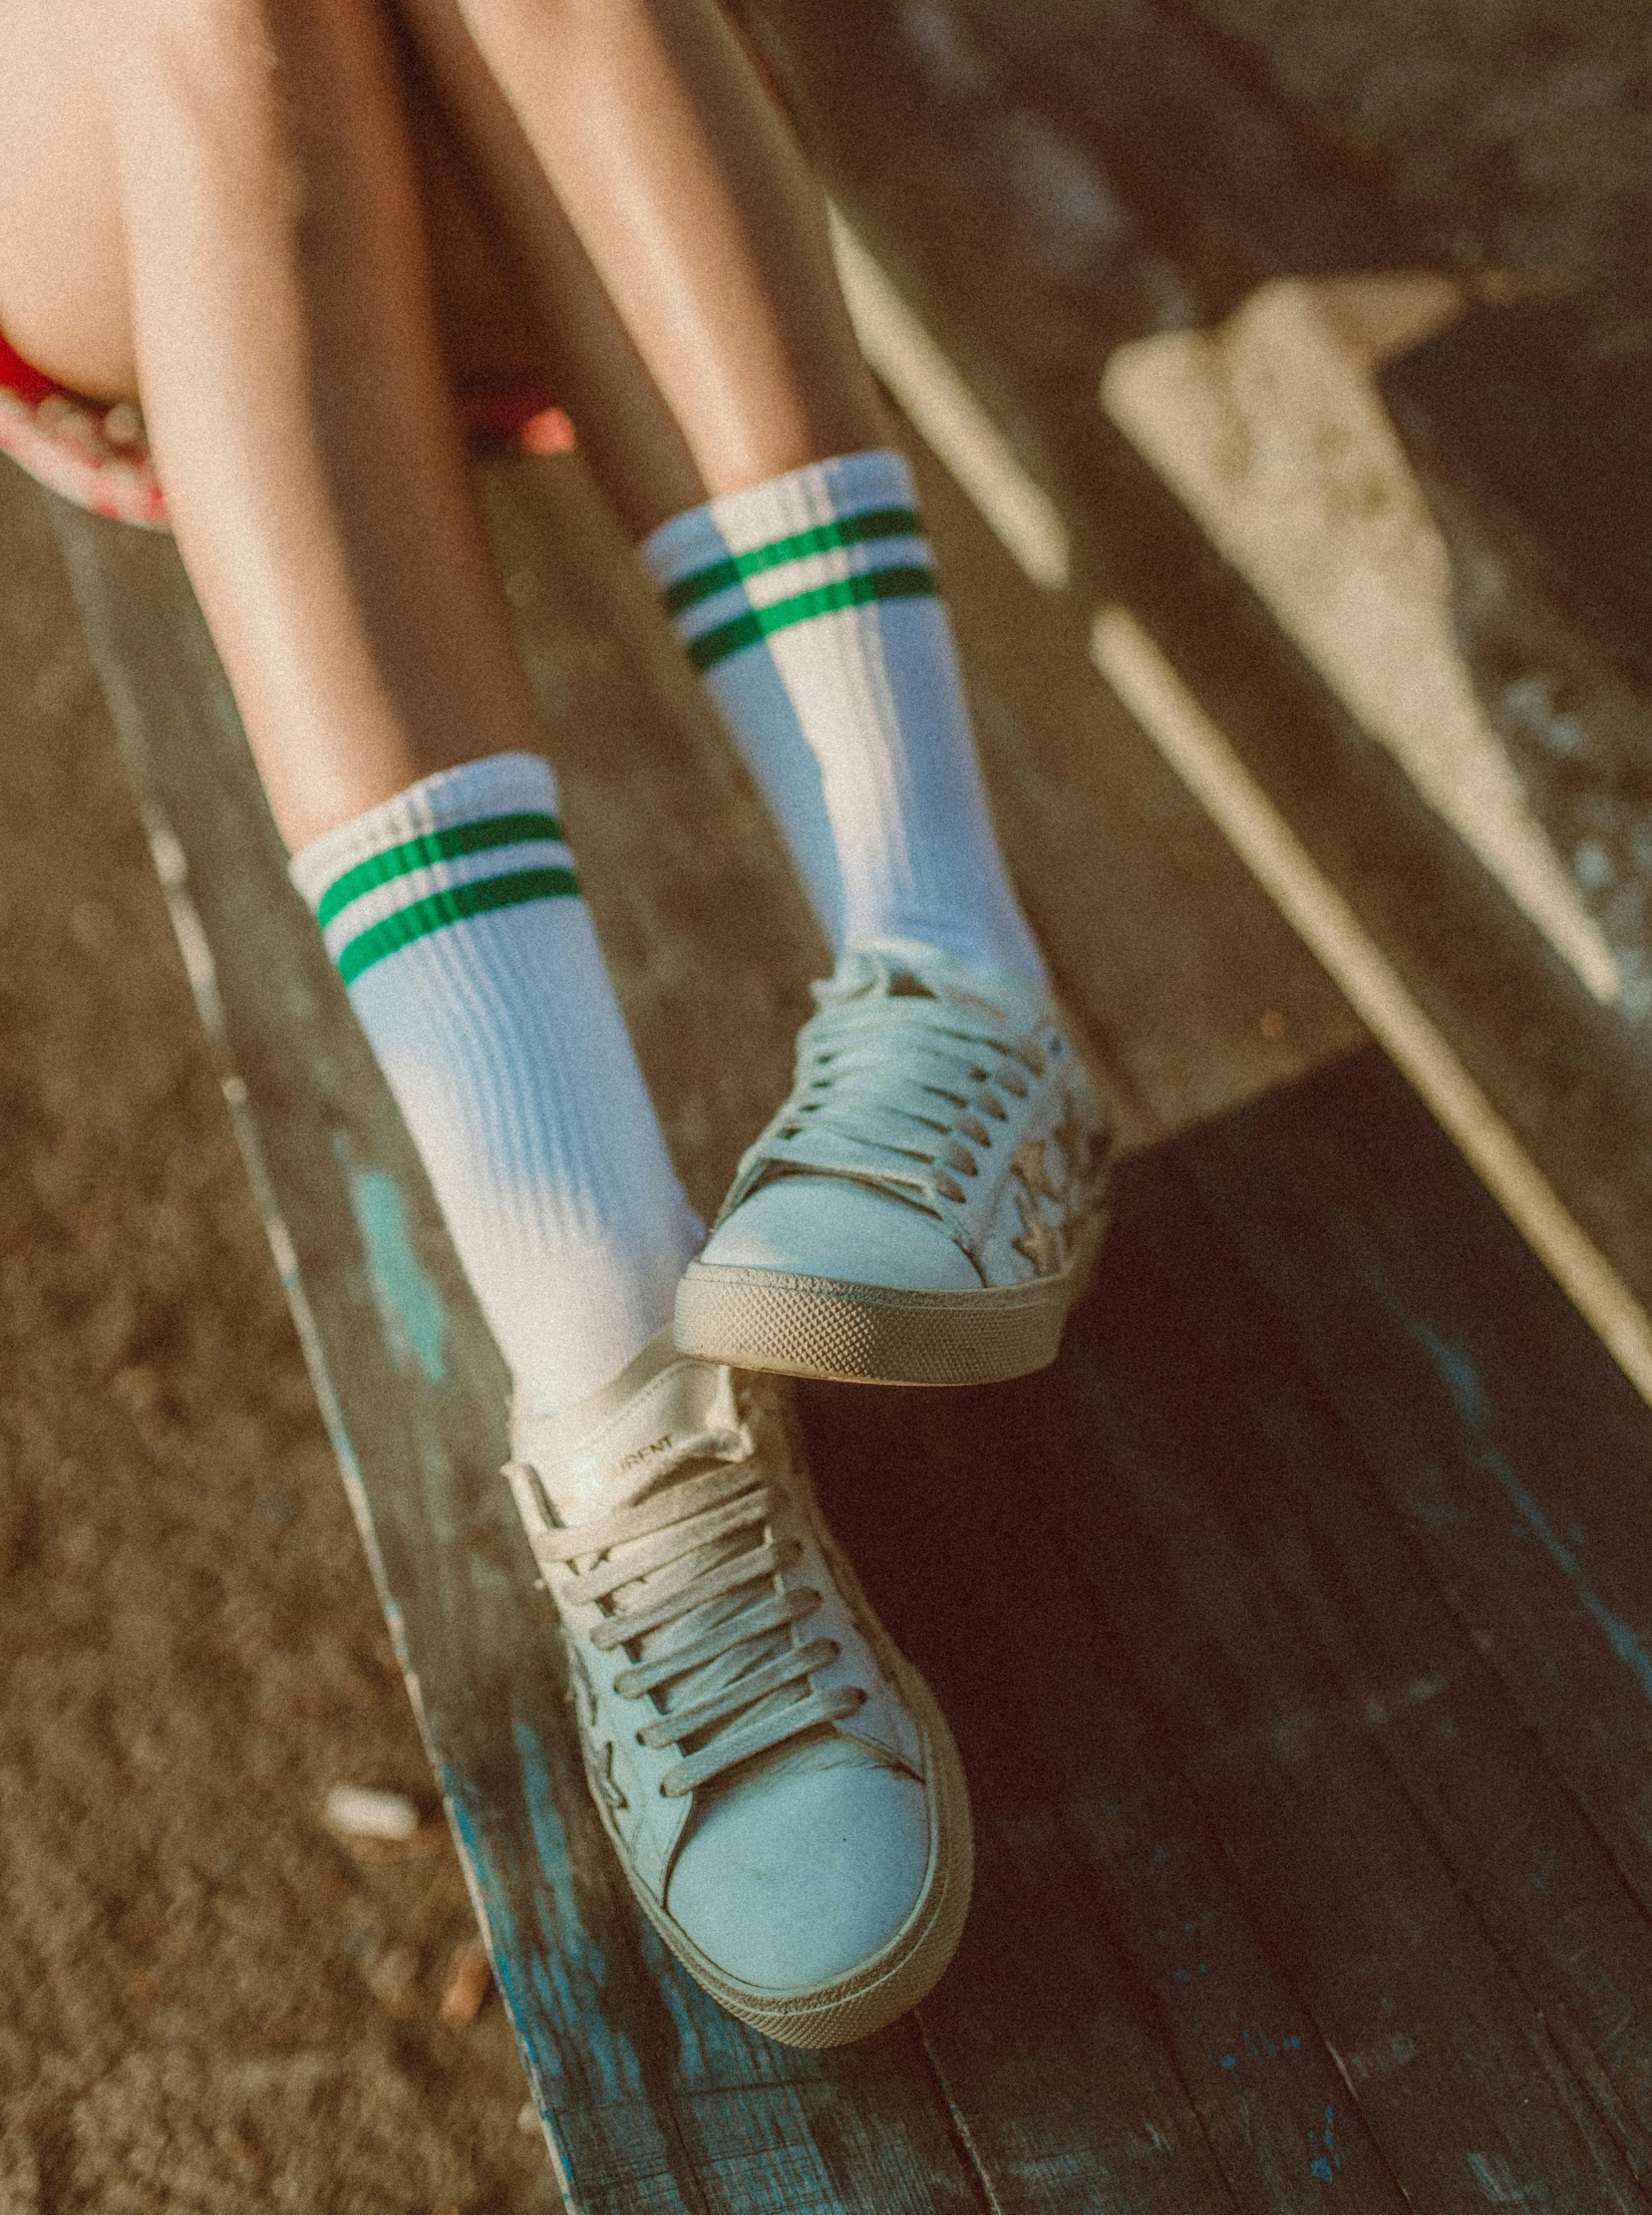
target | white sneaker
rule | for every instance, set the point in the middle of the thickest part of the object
(928, 1206)
(781, 1787)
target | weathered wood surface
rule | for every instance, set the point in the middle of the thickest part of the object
(1450, 2063)
(1233, 1673)
(1512, 1457)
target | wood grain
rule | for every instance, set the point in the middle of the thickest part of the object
(1226, 1607)
(1114, 2003)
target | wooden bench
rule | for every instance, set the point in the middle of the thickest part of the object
(1295, 1627)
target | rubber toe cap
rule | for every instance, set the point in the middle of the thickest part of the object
(794, 1879)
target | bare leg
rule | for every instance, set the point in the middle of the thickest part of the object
(690, 201)
(241, 234)
(642, 127)
(254, 199)
(627, 432)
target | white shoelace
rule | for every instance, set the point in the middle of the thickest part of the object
(693, 1580)
(897, 1089)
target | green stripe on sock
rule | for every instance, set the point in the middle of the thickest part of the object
(825, 599)
(452, 905)
(430, 847)
(844, 530)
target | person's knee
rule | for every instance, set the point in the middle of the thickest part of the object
(63, 292)
(77, 72)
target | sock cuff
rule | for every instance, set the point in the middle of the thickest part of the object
(466, 842)
(822, 541)
(497, 785)
(849, 487)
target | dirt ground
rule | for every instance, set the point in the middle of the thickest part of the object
(207, 2001)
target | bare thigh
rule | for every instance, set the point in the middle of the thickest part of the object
(63, 287)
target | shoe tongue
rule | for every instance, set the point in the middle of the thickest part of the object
(603, 1454)
(910, 968)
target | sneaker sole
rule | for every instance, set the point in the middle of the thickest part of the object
(871, 1334)
(910, 1965)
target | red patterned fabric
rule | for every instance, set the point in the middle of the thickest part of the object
(97, 456)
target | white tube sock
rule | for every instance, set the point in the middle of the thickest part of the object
(808, 605)
(470, 961)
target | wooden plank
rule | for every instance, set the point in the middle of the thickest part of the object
(1450, 2064)
(1058, 2073)
(1511, 1445)
(1546, 402)
(651, 2097)
(1408, 1671)
(1521, 408)
(1212, 159)
(1087, 273)
(1121, 164)
(1113, 2003)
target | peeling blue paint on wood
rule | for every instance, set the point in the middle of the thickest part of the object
(403, 1291)
(1324, 2165)
(571, 1974)
(497, 1917)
